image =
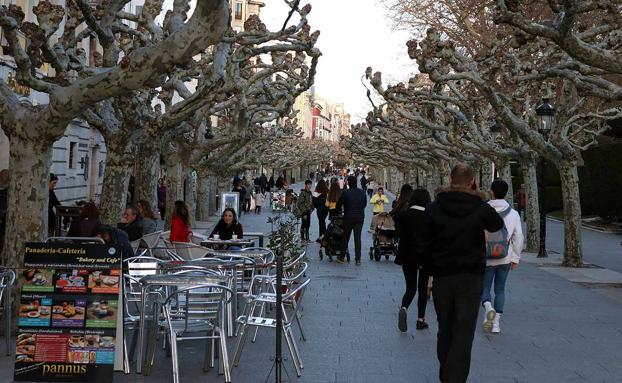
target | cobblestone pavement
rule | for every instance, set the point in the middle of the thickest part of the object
(553, 331)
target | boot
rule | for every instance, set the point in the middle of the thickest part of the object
(496, 329)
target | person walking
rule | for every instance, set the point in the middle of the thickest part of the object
(241, 190)
(371, 185)
(259, 200)
(497, 270)
(334, 193)
(521, 200)
(409, 217)
(452, 240)
(305, 207)
(363, 181)
(377, 201)
(248, 195)
(353, 202)
(319, 202)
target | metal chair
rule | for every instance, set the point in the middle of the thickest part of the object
(7, 279)
(266, 322)
(192, 312)
(134, 269)
(151, 242)
(189, 251)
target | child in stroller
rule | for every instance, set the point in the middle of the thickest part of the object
(332, 242)
(384, 235)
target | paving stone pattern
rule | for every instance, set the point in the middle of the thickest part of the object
(553, 331)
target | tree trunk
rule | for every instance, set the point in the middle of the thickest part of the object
(174, 189)
(487, 176)
(530, 178)
(147, 172)
(573, 251)
(189, 196)
(203, 200)
(212, 204)
(505, 173)
(27, 214)
(116, 180)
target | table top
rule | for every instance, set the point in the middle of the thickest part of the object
(174, 279)
(229, 242)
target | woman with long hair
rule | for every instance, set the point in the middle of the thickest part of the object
(334, 193)
(149, 219)
(228, 226)
(403, 199)
(409, 223)
(180, 223)
(319, 201)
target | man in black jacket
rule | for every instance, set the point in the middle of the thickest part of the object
(453, 239)
(131, 223)
(354, 202)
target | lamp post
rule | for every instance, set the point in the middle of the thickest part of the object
(546, 118)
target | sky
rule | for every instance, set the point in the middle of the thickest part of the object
(355, 34)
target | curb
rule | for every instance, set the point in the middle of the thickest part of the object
(585, 226)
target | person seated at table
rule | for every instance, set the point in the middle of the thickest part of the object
(180, 223)
(131, 223)
(149, 219)
(114, 236)
(88, 222)
(228, 226)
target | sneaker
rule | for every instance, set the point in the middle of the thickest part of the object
(496, 328)
(490, 318)
(421, 325)
(402, 322)
(358, 262)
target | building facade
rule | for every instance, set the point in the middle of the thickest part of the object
(241, 10)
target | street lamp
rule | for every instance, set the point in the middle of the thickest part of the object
(546, 119)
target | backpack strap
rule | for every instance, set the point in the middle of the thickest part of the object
(505, 212)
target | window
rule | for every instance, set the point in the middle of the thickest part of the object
(238, 10)
(73, 154)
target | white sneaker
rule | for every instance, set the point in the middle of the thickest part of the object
(489, 319)
(496, 329)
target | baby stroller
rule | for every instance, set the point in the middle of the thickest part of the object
(333, 239)
(385, 237)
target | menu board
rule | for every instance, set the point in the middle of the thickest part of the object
(68, 313)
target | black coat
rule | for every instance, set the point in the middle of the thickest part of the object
(134, 229)
(354, 202)
(53, 202)
(409, 225)
(452, 236)
(319, 203)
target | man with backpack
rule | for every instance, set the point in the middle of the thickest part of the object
(503, 250)
(453, 251)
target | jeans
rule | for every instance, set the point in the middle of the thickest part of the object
(305, 225)
(498, 274)
(357, 226)
(412, 284)
(456, 300)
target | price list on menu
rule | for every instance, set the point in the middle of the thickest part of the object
(68, 314)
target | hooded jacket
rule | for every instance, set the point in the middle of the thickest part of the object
(515, 232)
(452, 237)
